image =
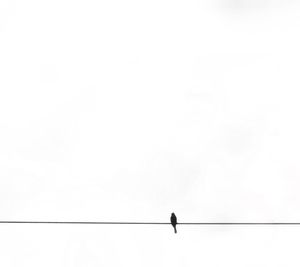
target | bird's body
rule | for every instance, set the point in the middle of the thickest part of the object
(174, 222)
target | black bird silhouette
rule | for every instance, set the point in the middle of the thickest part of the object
(174, 221)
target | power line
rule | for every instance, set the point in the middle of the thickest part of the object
(75, 222)
(150, 223)
(243, 223)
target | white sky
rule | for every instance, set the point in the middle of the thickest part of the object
(130, 110)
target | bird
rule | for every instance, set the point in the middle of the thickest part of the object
(174, 221)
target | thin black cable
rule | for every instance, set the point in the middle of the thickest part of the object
(75, 222)
(151, 223)
(243, 223)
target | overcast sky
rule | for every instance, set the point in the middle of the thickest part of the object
(130, 110)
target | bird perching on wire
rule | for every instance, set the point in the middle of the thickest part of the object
(174, 221)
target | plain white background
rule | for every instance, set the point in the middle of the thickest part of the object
(130, 110)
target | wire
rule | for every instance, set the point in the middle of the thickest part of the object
(188, 223)
(75, 222)
(243, 223)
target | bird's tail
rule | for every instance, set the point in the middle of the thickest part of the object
(175, 230)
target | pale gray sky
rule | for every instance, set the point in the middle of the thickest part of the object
(130, 110)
